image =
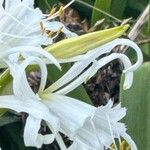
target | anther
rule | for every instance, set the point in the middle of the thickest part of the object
(122, 145)
(42, 28)
(52, 12)
(61, 9)
(50, 34)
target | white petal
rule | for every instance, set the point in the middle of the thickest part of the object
(78, 144)
(36, 108)
(31, 50)
(55, 26)
(92, 70)
(92, 55)
(31, 136)
(61, 105)
(29, 2)
(32, 127)
(19, 74)
(10, 3)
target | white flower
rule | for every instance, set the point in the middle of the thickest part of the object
(21, 26)
(76, 76)
(88, 126)
(61, 113)
(24, 100)
(102, 129)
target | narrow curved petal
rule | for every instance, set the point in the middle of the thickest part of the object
(94, 68)
(90, 56)
(37, 111)
(36, 51)
(71, 112)
(56, 26)
(31, 136)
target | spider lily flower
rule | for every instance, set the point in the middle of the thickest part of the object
(24, 99)
(53, 103)
(102, 129)
(74, 74)
(20, 25)
(27, 51)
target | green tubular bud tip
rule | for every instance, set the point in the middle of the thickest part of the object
(81, 44)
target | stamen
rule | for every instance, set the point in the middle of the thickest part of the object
(118, 134)
(61, 10)
(42, 28)
(56, 14)
(50, 34)
(111, 132)
(112, 147)
(52, 12)
(58, 32)
(94, 128)
(121, 147)
(69, 4)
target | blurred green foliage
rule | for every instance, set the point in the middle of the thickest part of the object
(137, 101)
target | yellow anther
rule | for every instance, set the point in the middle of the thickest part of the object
(61, 9)
(52, 11)
(128, 148)
(122, 145)
(42, 28)
(50, 34)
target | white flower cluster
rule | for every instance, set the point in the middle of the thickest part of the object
(89, 128)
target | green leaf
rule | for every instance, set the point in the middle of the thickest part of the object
(46, 4)
(11, 137)
(78, 93)
(137, 102)
(104, 5)
(118, 8)
(5, 82)
(5, 86)
(8, 119)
